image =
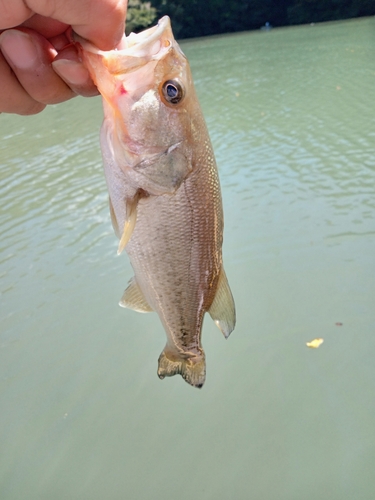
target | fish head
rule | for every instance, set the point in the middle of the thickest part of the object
(147, 89)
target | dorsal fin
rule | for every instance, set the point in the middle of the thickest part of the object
(222, 309)
(133, 298)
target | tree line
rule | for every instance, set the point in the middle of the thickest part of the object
(192, 18)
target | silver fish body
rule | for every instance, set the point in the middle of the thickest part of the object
(164, 192)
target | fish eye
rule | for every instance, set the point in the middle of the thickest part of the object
(172, 91)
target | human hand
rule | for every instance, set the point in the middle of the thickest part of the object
(38, 63)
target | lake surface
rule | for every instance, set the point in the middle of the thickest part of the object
(83, 414)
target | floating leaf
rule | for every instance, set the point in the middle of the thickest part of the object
(315, 343)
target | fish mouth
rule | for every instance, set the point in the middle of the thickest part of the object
(146, 44)
(154, 41)
(146, 39)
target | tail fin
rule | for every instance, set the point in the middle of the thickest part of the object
(192, 370)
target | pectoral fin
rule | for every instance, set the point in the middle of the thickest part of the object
(131, 217)
(114, 219)
(133, 298)
(222, 309)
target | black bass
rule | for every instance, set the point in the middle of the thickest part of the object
(164, 192)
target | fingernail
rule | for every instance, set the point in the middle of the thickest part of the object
(71, 72)
(18, 49)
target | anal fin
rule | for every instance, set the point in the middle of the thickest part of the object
(133, 298)
(222, 309)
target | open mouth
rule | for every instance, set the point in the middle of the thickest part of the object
(147, 38)
(144, 44)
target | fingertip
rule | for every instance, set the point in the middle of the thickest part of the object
(18, 48)
(33, 109)
(107, 24)
(115, 28)
(71, 72)
(76, 76)
(13, 97)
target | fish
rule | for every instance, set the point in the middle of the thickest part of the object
(164, 192)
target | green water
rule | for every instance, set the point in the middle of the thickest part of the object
(83, 414)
